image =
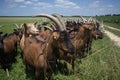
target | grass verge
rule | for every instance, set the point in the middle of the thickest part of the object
(113, 31)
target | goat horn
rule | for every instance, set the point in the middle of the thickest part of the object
(21, 25)
(16, 25)
(53, 25)
(82, 19)
(48, 28)
(55, 20)
(60, 19)
(90, 19)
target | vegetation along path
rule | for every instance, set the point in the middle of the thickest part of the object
(112, 36)
(112, 28)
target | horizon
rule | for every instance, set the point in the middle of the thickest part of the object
(63, 7)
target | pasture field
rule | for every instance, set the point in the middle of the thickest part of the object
(102, 64)
(113, 31)
(113, 21)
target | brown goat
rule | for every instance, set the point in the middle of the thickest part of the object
(81, 34)
(95, 34)
(38, 54)
(32, 50)
(87, 31)
(9, 50)
(68, 53)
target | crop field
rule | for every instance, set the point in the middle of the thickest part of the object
(102, 64)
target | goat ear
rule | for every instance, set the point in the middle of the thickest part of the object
(14, 30)
(25, 25)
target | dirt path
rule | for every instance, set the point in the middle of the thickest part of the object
(112, 28)
(113, 37)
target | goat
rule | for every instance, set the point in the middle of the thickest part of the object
(9, 49)
(82, 34)
(32, 53)
(38, 54)
(67, 55)
(95, 34)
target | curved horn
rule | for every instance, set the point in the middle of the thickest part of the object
(55, 20)
(53, 25)
(48, 28)
(82, 19)
(90, 20)
(60, 19)
(21, 25)
(16, 25)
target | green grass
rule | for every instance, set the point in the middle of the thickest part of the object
(8, 22)
(102, 64)
(115, 25)
(113, 21)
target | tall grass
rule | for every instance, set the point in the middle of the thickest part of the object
(102, 64)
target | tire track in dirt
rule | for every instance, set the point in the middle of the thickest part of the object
(112, 36)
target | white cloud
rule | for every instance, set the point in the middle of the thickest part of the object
(23, 6)
(19, 0)
(65, 4)
(110, 6)
(35, 0)
(95, 4)
(28, 2)
(12, 5)
(43, 4)
(101, 9)
(36, 8)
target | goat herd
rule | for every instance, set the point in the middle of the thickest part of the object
(43, 47)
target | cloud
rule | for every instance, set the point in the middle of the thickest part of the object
(110, 6)
(36, 3)
(13, 1)
(28, 2)
(65, 4)
(22, 6)
(12, 5)
(19, 0)
(36, 8)
(95, 4)
(64, 7)
(35, 0)
(43, 4)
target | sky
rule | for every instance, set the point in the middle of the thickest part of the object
(63, 7)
